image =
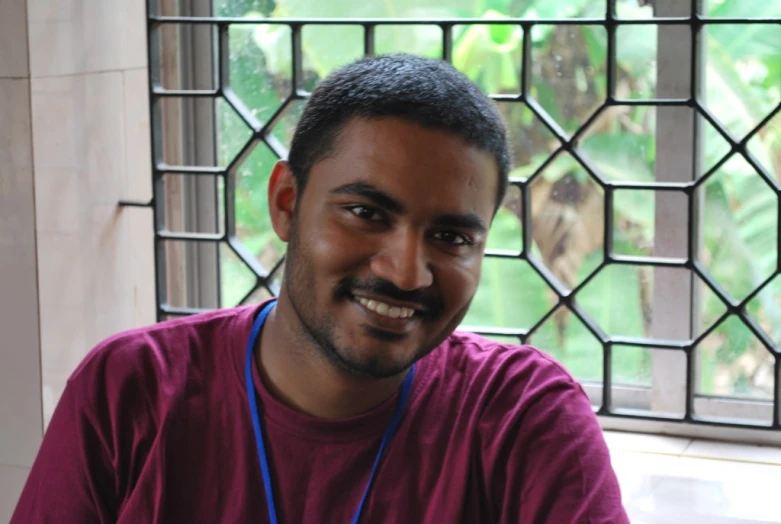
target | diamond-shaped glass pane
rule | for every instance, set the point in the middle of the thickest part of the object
(567, 218)
(567, 339)
(711, 307)
(236, 277)
(765, 309)
(765, 145)
(233, 132)
(490, 55)
(733, 362)
(568, 76)
(531, 142)
(496, 303)
(286, 123)
(714, 145)
(740, 226)
(260, 66)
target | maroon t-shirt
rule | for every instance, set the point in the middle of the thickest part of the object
(154, 427)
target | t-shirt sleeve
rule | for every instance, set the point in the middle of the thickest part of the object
(550, 462)
(71, 479)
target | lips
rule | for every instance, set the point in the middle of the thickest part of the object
(385, 317)
(385, 310)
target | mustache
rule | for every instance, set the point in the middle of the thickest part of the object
(429, 302)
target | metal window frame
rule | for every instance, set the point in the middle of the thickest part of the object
(675, 26)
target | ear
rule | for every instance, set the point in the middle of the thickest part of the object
(282, 196)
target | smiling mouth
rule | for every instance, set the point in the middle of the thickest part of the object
(386, 310)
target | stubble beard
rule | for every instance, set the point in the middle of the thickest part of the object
(321, 333)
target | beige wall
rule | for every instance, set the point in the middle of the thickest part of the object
(74, 139)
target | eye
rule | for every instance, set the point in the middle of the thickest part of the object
(452, 238)
(365, 213)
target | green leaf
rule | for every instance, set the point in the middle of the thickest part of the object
(612, 298)
(328, 47)
(275, 43)
(747, 40)
(373, 9)
(638, 208)
(556, 8)
(636, 49)
(490, 55)
(506, 231)
(739, 106)
(621, 156)
(738, 337)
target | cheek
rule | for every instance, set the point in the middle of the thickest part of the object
(333, 249)
(459, 282)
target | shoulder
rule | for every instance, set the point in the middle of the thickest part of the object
(536, 435)
(522, 369)
(511, 386)
(159, 356)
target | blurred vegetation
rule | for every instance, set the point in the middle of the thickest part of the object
(742, 75)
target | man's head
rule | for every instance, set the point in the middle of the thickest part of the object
(394, 175)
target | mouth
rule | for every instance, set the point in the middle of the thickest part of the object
(387, 316)
(384, 309)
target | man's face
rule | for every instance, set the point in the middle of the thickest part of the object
(386, 243)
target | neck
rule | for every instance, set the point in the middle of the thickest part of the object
(298, 374)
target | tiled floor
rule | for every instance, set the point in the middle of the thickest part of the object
(669, 480)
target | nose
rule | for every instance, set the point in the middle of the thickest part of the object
(403, 262)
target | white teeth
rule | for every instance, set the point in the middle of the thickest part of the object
(386, 310)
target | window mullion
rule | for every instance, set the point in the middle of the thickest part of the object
(677, 158)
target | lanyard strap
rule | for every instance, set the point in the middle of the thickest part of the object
(253, 405)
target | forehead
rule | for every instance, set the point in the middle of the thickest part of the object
(430, 168)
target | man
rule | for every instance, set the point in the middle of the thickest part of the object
(350, 398)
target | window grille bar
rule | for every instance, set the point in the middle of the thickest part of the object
(447, 42)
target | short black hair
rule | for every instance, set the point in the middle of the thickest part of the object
(428, 92)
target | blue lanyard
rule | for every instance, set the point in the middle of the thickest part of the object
(253, 406)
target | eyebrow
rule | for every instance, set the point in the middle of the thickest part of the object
(380, 198)
(469, 222)
(369, 192)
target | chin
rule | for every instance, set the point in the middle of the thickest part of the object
(374, 361)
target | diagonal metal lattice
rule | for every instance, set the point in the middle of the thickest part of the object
(568, 144)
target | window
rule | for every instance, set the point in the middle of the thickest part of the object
(639, 242)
